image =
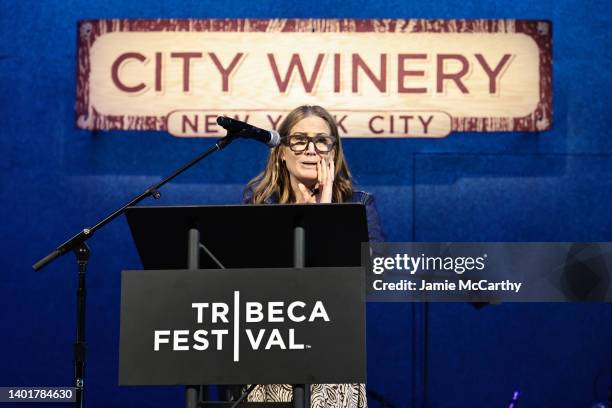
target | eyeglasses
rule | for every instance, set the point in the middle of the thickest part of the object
(299, 143)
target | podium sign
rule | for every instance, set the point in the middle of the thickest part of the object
(242, 326)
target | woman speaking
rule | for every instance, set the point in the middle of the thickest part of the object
(309, 167)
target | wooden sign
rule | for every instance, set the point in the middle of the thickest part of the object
(379, 78)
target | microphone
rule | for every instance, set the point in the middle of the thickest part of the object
(243, 129)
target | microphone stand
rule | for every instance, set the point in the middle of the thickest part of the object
(78, 245)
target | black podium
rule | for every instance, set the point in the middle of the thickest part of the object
(245, 294)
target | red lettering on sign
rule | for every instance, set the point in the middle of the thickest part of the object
(273, 122)
(210, 124)
(115, 71)
(456, 77)
(337, 73)
(406, 120)
(380, 83)
(403, 72)
(296, 62)
(493, 73)
(193, 125)
(158, 71)
(340, 124)
(225, 72)
(425, 123)
(186, 56)
(371, 123)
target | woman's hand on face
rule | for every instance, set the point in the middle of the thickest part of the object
(325, 185)
(307, 196)
(326, 173)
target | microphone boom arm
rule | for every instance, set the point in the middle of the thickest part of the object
(152, 191)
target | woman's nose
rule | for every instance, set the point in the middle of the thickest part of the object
(311, 148)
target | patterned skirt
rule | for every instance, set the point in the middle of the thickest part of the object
(321, 395)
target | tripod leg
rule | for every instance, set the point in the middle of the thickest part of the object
(82, 254)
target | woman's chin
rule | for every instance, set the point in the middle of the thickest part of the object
(308, 179)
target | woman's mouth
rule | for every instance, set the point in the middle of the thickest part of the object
(309, 164)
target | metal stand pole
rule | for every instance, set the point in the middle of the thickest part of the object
(301, 392)
(77, 244)
(82, 254)
(192, 392)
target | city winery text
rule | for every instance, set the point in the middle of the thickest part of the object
(451, 69)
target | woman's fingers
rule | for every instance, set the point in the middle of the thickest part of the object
(327, 192)
(323, 171)
(307, 196)
(303, 191)
(325, 184)
(332, 172)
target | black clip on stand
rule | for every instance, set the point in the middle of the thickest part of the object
(78, 245)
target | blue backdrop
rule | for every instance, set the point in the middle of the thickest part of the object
(553, 186)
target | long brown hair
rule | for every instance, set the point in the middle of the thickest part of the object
(274, 179)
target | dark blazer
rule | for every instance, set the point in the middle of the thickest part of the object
(375, 231)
